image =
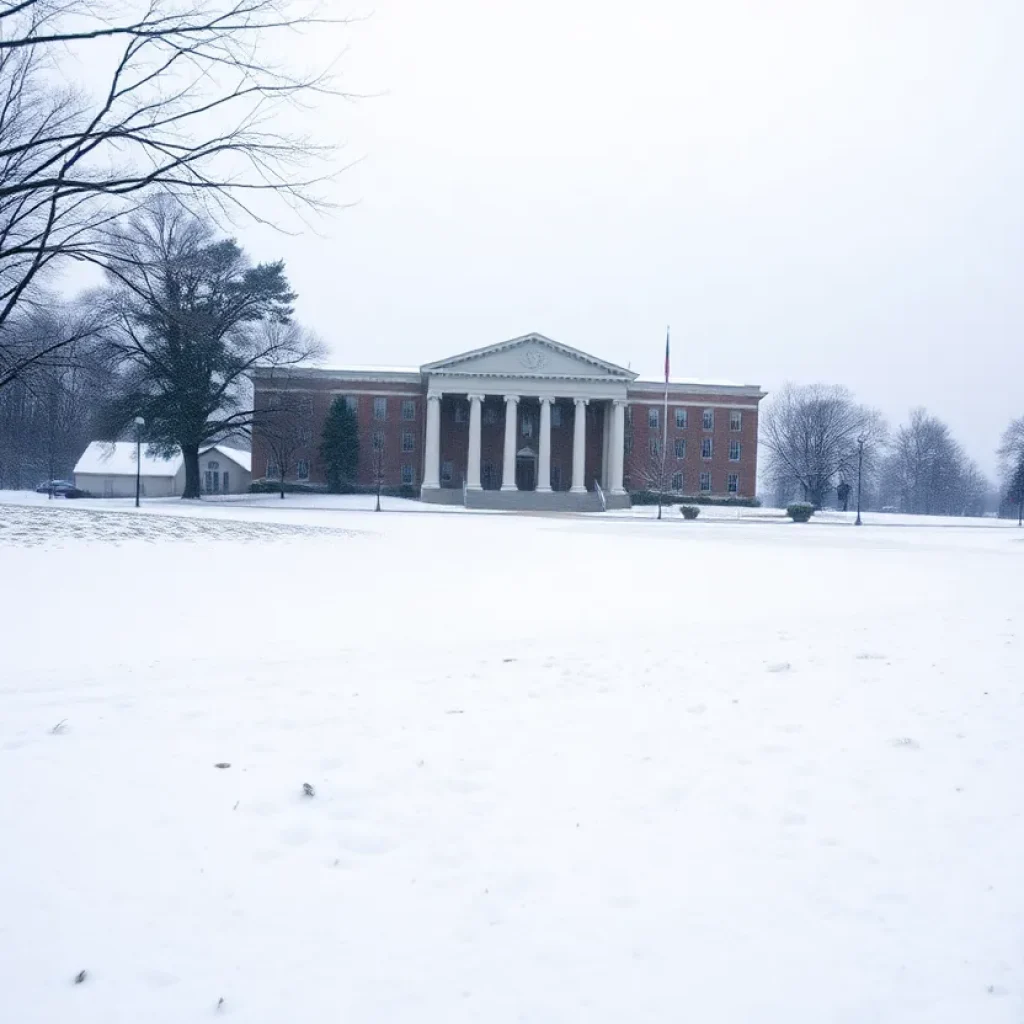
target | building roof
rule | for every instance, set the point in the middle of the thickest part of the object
(117, 458)
(239, 457)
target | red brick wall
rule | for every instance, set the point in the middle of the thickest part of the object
(640, 473)
(322, 393)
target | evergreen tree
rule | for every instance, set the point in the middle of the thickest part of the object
(339, 447)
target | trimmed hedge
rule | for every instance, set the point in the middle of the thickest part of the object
(800, 511)
(689, 511)
(651, 498)
(294, 487)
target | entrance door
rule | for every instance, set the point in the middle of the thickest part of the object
(526, 473)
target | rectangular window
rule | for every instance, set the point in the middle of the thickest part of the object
(208, 482)
(652, 417)
(705, 483)
(705, 448)
(488, 477)
(446, 474)
(680, 419)
(378, 440)
(677, 482)
(272, 473)
(305, 406)
(408, 475)
(627, 445)
(526, 427)
(408, 409)
(380, 408)
(302, 469)
(655, 445)
(629, 415)
(461, 411)
(709, 419)
(734, 483)
(352, 401)
(408, 441)
(556, 477)
(490, 416)
(734, 451)
(225, 481)
(556, 414)
(735, 420)
(680, 447)
(305, 435)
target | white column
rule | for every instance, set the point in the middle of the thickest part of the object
(617, 446)
(508, 471)
(606, 436)
(544, 460)
(579, 447)
(432, 452)
(473, 459)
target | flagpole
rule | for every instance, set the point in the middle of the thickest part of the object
(664, 425)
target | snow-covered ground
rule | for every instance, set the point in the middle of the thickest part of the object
(592, 769)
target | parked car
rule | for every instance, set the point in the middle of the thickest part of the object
(60, 487)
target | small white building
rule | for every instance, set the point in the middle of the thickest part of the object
(107, 469)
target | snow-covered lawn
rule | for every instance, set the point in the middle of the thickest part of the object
(585, 769)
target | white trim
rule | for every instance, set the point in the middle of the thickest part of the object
(445, 365)
(691, 405)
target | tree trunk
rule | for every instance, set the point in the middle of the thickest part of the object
(190, 453)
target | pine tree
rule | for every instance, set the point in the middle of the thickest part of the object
(339, 447)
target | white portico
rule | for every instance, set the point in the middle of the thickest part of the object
(525, 383)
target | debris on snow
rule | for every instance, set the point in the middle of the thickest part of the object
(308, 790)
(80, 977)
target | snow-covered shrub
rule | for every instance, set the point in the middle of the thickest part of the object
(800, 511)
(689, 511)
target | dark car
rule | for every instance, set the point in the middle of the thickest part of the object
(60, 489)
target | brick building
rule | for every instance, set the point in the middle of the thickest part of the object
(527, 423)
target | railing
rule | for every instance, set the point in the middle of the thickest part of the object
(600, 494)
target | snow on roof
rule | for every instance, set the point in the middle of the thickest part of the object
(242, 458)
(368, 368)
(693, 381)
(117, 458)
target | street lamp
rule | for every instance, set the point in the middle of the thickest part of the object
(860, 473)
(139, 424)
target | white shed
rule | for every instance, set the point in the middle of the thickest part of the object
(107, 469)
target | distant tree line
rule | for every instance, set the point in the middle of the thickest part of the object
(819, 443)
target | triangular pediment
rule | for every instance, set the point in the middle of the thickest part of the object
(532, 355)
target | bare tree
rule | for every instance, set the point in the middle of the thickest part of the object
(189, 106)
(192, 317)
(284, 425)
(928, 473)
(810, 436)
(1011, 465)
(378, 462)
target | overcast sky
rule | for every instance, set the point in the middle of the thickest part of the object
(804, 191)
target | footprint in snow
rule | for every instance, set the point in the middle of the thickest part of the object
(780, 666)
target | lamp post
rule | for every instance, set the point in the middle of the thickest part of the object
(139, 424)
(860, 473)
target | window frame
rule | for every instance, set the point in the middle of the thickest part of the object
(732, 483)
(681, 418)
(301, 464)
(408, 410)
(408, 441)
(735, 446)
(735, 419)
(707, 448)
(677, 475)
(705, 474)
(653, 417)
(411, 482)
(680, 447)
(707, 419)
(380, 409)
